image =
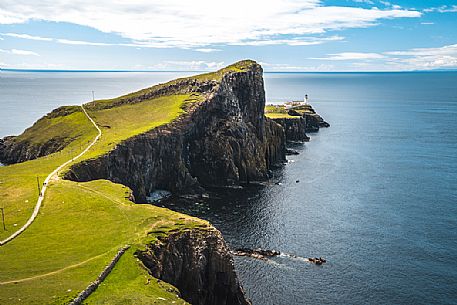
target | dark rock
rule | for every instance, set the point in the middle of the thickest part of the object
(256, 253)
(295, 128)
(314, 122)
(291, 152)
(199, 264)
(14, 151)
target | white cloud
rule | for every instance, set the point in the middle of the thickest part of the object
(445, 50)
(427, 23)
(19, 52)
(364, 1)
(413, 59)
(442, 9)
(200, 23)
(26, 36)
(352, 56)
(207, 50)
(183, 65)
(275, 67)
(299, 41)
(426, 58)
(80, 42)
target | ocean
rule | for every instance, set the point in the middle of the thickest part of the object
(376, 193)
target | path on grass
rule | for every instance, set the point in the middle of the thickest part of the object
(52, 176)
(52, 272)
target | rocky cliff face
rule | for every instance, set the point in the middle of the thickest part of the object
(294, 128)
(223, 141)
(13, 151)
(199, 264)
(313, 121)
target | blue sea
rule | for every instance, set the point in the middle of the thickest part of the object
(376, 192)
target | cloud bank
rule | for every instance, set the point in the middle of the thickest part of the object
(200, 23)
(413, 59)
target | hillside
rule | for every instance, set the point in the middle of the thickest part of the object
(81, 225)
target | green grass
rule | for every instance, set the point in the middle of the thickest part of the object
(130, 283)
(18, 182)
(80, 222)
(280, 116)
(63, 123)
(277, 112)
(125, 121)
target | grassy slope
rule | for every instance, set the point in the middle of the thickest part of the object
(123, 122)
(65, 234)
(277, 112)
(82, 225)
(18, 182)
(130, 283)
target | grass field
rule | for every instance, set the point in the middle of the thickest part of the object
(77, 233)
(18, 182)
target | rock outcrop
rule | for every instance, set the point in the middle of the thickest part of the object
(313, 120)
(199, 264)
(295, 128)
(225, 140)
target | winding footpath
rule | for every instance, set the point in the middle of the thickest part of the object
(52, 176)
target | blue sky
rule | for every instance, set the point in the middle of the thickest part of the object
(283, 35)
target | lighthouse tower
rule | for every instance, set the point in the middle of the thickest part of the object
(306, 99)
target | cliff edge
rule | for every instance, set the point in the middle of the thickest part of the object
(198, 263)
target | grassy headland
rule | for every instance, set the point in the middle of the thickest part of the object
(81, 225)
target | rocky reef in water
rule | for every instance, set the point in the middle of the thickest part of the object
(198, 263)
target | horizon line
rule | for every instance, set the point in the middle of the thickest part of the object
(203, 71)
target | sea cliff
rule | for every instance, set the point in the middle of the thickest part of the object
(198, 263)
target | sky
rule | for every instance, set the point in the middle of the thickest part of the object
(282, 35)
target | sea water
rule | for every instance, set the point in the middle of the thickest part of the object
(377, 191)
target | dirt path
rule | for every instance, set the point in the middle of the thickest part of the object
(51, 177)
